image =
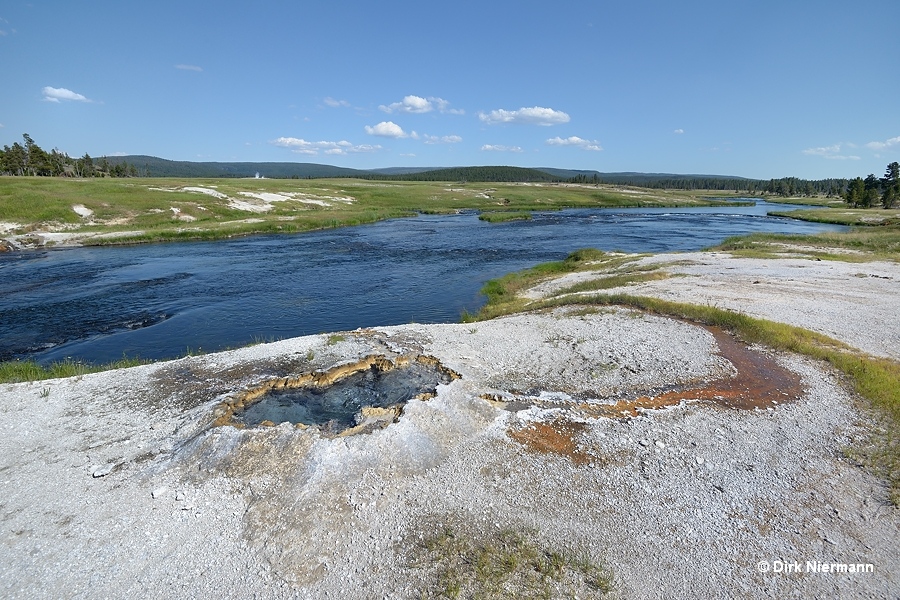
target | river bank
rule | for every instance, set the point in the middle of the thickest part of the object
(45, 212)
(157, 301)
(115, 483)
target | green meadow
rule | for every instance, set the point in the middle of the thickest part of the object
(160, 209)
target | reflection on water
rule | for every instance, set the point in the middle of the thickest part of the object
(161, 300)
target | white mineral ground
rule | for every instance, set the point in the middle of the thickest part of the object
(855, 302)
(82, 210)
(62, 235)
(114, 484)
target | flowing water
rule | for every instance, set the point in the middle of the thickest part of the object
(162, 300)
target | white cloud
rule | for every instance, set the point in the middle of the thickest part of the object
(301, 146)
(678, 131)
(335, 103)
(878, 146)
(499, 148)
(446, 139)
(830, 152)
(189, 68)
(409, 104)
(824, 150)
(387, 129)
(536, 115)
(444, 107)
(52, 94)
(419, 105)
(576, 141)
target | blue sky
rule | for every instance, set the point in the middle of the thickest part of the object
(754, 88)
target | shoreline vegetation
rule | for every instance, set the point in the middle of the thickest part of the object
(40, 212)
(504, 216)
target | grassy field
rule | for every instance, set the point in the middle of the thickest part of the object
(842, 215)
(155, 209)
(860, 244)
(830, 202)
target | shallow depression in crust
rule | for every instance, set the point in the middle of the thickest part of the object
(375, 393)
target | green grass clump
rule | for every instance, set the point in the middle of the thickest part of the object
(16, 371)
(612, 281)
(505, 288)
(503, 217)
(503, 293)
(335, 338)
(507, 565)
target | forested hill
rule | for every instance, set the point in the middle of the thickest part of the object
(643, 179)
(785, 186)
(151, 166)
(486, 174)
(788, 186)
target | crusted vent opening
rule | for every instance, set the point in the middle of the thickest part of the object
(355, 398)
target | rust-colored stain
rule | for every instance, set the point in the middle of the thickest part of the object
(557, 437)
(760, 383)
(628, 408)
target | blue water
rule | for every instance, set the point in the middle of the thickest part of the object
(162, 300)
(336, 406)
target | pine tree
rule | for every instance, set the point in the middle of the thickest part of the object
(890, 183)
(856, 192)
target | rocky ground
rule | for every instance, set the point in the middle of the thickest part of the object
(117, 485)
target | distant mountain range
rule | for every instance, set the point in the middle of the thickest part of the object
(152, 166)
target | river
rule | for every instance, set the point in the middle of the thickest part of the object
(159, 301)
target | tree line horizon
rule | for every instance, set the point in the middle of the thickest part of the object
(29, 159)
